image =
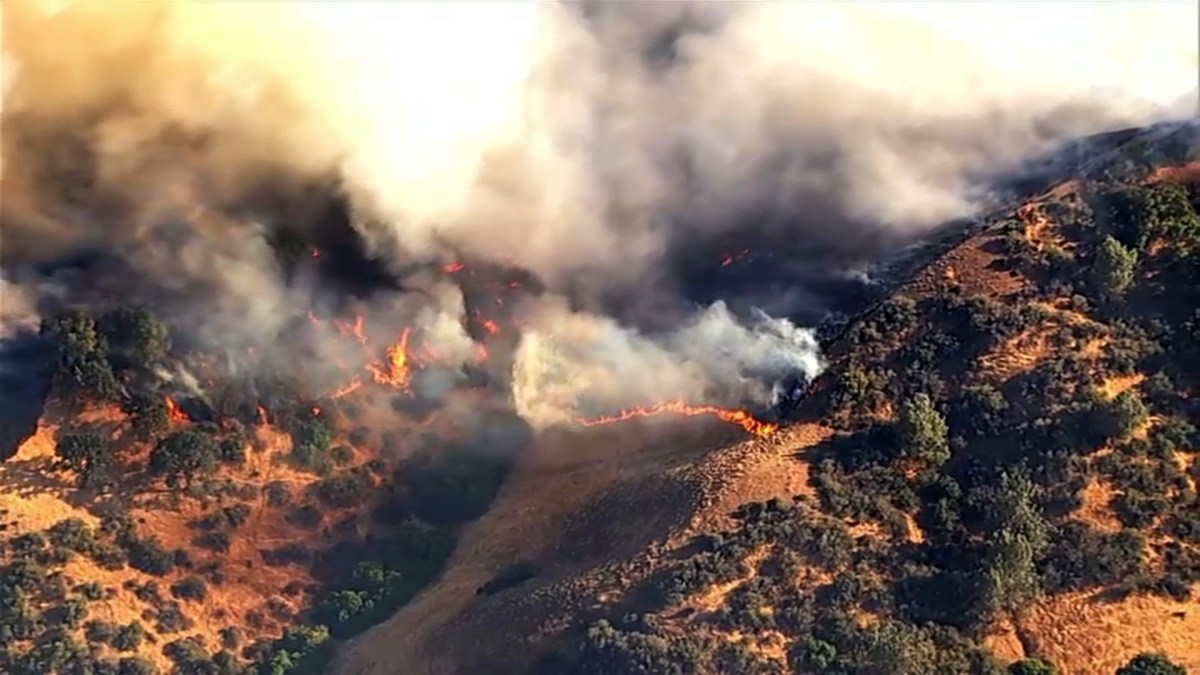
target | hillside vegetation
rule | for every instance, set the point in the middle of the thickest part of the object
(168, 516)
(1008, 480)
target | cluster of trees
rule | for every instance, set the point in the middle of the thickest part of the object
(89, 351)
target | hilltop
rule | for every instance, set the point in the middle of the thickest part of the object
(999, 466)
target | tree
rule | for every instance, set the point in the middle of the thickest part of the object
(91, 373)
(1115, 266)
(1148, 663)
(1126, 412)
(923, 432)
(80, 362)
(182, 455)
(1031, 667)
(1010, 576)
(148, 416)
(190, 587)
(86, 452)
(137, 665)
(134, 332)
(75, 335)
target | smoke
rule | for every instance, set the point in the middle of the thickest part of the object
(606, 148)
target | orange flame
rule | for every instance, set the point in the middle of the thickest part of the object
(396, 373)
(349, 388)
(263, 420)
(739, 417)
(452, 267)
(491, 326)
(173, 411)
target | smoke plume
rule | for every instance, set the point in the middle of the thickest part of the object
(616, 152)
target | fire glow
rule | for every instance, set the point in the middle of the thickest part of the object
(394, 372)
(409, 351)
(741, 418)
(173, 411)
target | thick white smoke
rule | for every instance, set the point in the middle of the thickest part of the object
(585, 143)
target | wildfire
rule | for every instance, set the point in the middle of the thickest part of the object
(350, 387)
(263, 420)
(357, 330)
(396, 372)
(739, 417)
(173, 411)
(731, 258)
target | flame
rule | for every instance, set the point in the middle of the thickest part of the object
(174, 412)
(263, 420)
(357, 330)
(741, 418)
(731, 258)
(396, 373)
(491, 326)
(348, 388)
(452, 267)
(313, 318)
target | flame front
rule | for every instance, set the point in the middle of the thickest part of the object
(350, 387)
(395, 372)
(173, 411)
(739, 417)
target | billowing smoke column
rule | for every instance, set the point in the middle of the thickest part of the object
(620, 155)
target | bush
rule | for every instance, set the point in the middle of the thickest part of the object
(85, 452)
(72, 534)
(341, 491)
(1032, 667)
(190, 588)
(1115, 267)
(310, 443)
(148, 416)
(147, 555)
(183, 455)
(136, 665)
(1151, 664)
(129, 637)
(100, 632)
(171, 619)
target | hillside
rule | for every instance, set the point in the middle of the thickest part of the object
(999, 464)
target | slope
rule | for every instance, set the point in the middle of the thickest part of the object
(999, 464)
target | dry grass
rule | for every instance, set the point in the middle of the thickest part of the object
(1019, 354)
(974, 266)
(1114, 386)
(1095, 511)
(1084, 635)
